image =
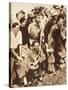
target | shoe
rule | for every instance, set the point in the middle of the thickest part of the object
(41, 78)
(14, 86)
(25, 85)
(54, 73)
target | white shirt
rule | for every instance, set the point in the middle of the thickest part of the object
(15, 41)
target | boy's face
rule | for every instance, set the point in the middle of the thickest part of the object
(17, 28)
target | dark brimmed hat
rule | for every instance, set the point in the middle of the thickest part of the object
(56, 7)
(21, 11)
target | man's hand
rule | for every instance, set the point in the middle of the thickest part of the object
(19, 58)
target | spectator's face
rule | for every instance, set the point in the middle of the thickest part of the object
(55, 17)
(36, 44)
(33, 20)
(60, 22)
(20, 15)
(48, 13)
(23, 23)
(17, 28)
(36, 48)
(42, 13)
(37, 19)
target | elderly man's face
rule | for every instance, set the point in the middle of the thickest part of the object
(20, 15)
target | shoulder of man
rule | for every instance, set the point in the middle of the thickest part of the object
(54, 27)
